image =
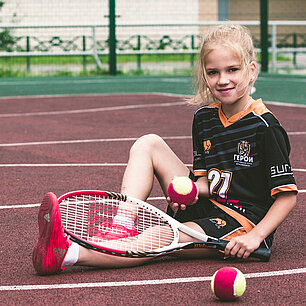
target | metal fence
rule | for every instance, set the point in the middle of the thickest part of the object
(87, 47)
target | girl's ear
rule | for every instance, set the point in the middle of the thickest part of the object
(253, 68)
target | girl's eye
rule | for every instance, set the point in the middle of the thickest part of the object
(233, 69)
(211, 72)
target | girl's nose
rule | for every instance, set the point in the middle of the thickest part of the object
(223, 79)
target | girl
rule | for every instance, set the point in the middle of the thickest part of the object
(241, 166)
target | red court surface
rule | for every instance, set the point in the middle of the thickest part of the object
(66, 143)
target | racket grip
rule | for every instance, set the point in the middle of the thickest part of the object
(261, 253)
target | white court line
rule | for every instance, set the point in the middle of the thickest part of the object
(115, 108)
(64, 165)
(127, 93)
(285, 104)
(20, 206)
(90, 165)
(296, 133)
(35, 143)
(76, 141)
(144, 282)
(38, 204)
(299, 170)
(91, 110)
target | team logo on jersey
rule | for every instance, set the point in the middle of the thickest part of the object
(207, 146)
(243, 157)
(244, 148)
(218, 222)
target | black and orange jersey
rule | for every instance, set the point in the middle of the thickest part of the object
(245, 158)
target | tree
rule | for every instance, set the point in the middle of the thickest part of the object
(7, 41)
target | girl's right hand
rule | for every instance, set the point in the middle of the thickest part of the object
(176, 206)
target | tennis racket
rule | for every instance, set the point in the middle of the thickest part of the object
(88, 216)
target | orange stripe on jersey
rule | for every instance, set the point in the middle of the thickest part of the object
(257, 106)
(245, 222)
(277, 190)
(216, 104)
(200, 173)
(238, 232)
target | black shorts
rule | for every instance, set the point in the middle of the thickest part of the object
(213, 220)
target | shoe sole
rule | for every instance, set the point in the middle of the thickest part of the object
(46, 216)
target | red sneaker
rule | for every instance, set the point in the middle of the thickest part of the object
(53, 243)
(114, 231)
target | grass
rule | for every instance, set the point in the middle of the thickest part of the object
(69, 60)
(61, 65)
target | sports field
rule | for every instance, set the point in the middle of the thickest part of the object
(64, 134)
(281, 88)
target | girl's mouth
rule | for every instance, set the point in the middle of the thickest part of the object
(225, 90)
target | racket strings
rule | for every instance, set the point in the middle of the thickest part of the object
(91, 217)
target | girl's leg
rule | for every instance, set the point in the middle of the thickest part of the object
(100, 260)
(150, 156)
(95, 259)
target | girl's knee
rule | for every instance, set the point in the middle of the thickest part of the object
(146, 142)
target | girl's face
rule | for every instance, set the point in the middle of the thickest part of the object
(225, 77)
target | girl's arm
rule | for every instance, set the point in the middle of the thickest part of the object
(242, 246)
(202, 185)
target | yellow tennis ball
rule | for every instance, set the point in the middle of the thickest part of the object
(228, 283)
(182, 190)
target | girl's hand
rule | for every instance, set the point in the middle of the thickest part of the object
(175, 206)
(242, 246)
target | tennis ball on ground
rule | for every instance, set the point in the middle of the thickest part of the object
(182, 190)
(228, 283)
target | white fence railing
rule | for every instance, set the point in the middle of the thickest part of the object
(99, 33)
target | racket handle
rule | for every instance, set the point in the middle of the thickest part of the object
(261, 253)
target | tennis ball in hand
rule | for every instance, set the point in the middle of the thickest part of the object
(228, 284)
(182, 190)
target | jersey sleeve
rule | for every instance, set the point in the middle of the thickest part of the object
(199, 166)
(276, 150)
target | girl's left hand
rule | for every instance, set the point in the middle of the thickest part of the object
(242, 246)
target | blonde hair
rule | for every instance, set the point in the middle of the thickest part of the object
(235, 37)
